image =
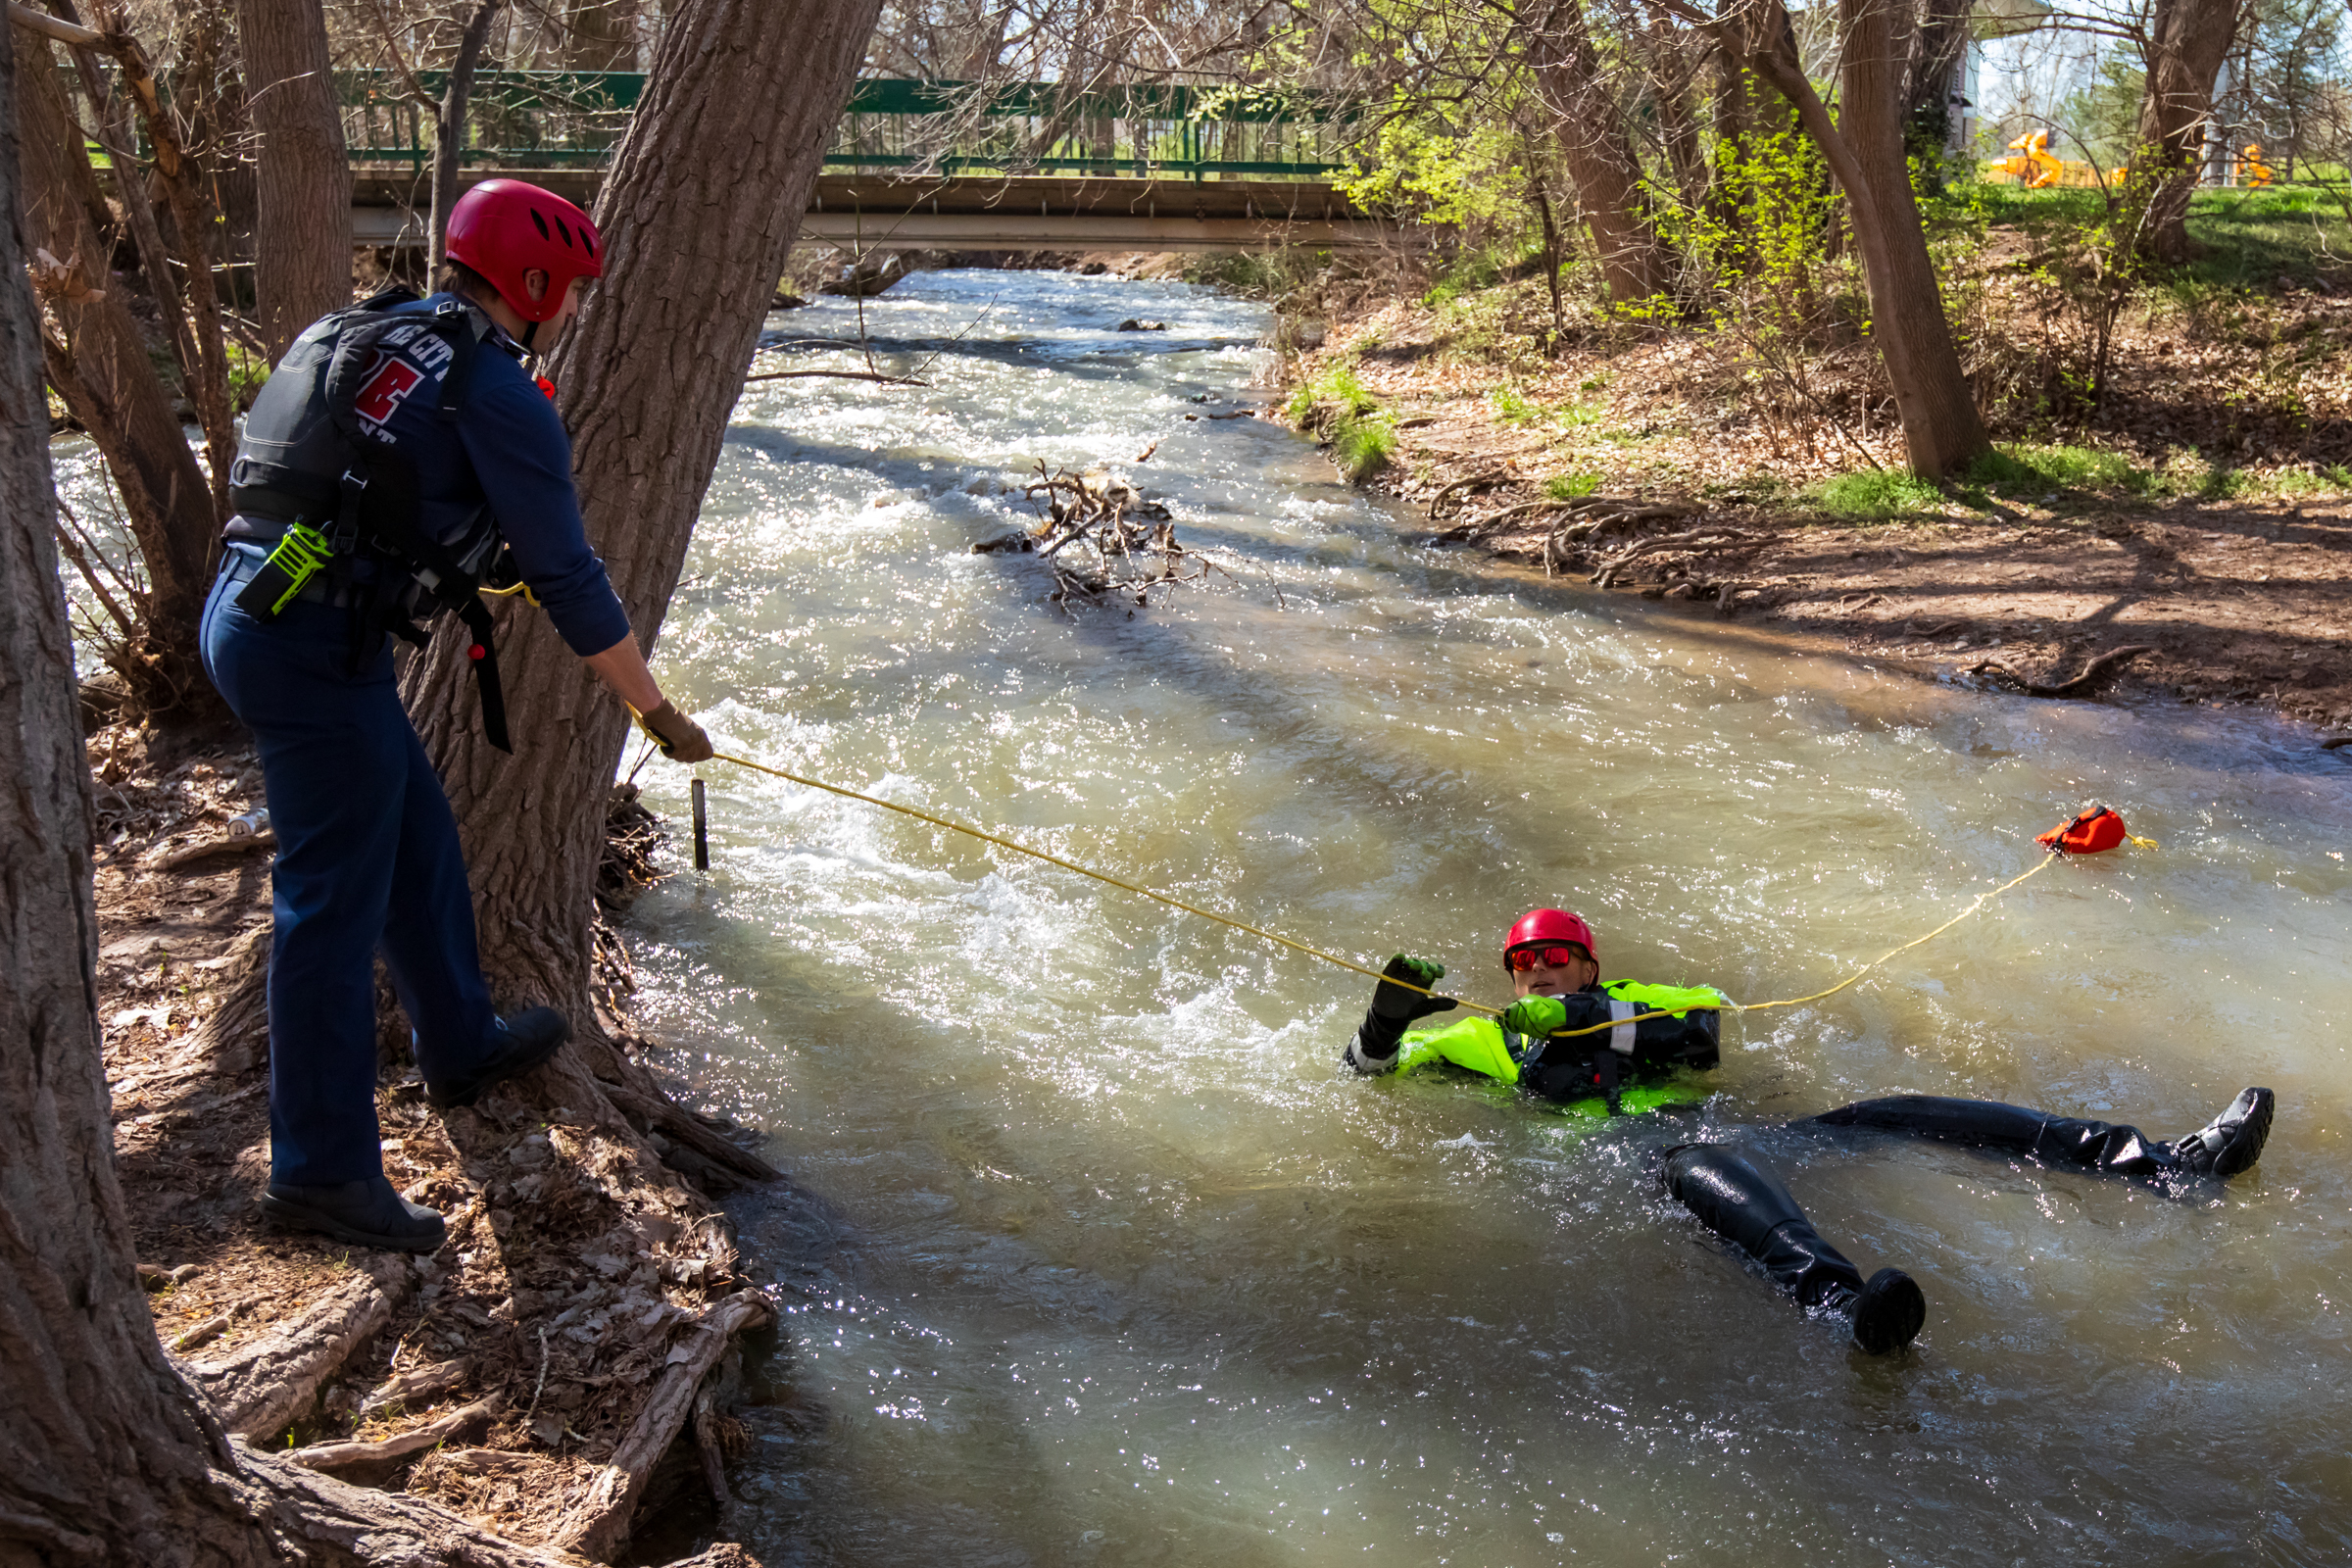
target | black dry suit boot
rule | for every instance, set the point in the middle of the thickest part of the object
(516, 1045)
(1739, 1202)
(366, 1214)
(2231, 1143)
(2232, 1140)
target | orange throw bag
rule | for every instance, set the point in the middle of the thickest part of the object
(2093, 829)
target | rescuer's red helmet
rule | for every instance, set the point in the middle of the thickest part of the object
(1541, 927)
(503, 228)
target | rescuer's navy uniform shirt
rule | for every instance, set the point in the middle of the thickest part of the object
(510, 451)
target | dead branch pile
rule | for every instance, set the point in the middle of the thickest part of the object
(1124, 544)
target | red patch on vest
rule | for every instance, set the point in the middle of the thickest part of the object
(382, 394)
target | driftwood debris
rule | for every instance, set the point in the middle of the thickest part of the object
(1132, 540)
(2095, 674)
(262, 1386)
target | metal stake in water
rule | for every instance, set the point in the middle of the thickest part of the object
(701, 830)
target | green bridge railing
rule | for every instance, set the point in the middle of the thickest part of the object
(574, 119)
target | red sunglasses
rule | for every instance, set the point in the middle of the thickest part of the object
(1524, 958)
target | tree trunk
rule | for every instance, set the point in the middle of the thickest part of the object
(1599, 151)
(106, 1456)
(302, 249)
(1865, 152)
(2188, 41)
(1936, 45)
(1676, 58)
(694, 246)
(102, 371)
(449, 129)
(207, 382)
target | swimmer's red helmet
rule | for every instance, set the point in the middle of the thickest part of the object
(1538, 926)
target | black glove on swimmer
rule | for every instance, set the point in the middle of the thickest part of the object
(1374, 1048)
(1397, 1004)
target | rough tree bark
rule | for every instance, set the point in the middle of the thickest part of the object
(449, 127)
(1864, 147)
(106, 1456)
(1599, 151)
(100, 368)
(302, 247)
(1936, 47)
(2188, 41)
(694, 246)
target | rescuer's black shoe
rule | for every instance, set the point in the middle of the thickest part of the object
(524, 1042)
(366, 1214)
(1888, 1312)
(2231, 1141)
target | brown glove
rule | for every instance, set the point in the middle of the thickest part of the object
(683, 739)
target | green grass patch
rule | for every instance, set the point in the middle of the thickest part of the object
(1874, 493)
(1361, 447)
(2244, 239)
(1572, 486)
(1511, 407)
(2029, 472)
(1338, 409)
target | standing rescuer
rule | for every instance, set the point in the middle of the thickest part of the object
(1643, 1035)
(400, 459)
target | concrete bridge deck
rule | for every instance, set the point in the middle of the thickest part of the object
(885, 212)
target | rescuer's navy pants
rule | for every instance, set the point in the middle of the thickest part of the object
(367, 856)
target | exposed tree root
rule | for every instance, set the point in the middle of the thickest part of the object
(2093, 674)
(1477, 481)
(604, 1520)
(269, 1382)
(326, 1521)
(367, 1455)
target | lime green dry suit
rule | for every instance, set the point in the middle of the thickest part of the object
(1655, 1031)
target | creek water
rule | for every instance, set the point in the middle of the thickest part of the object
(1119, 1268)
(1109, 1264)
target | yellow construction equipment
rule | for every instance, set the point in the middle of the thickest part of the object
(2031, 165)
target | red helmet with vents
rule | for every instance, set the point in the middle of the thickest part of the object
(1544, 926)
(503, 228)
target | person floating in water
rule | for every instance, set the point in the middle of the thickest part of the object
(1654, 1032)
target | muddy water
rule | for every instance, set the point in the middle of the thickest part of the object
(1121, 1270)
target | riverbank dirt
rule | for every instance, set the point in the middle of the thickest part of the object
(559, 1371)
(1625, 461)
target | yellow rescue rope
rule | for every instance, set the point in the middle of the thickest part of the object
(1295, 945)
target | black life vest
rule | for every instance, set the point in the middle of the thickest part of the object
(311, 455)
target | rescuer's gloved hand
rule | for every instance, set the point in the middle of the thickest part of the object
(1397, 1005)
(1534, 1015)
(681, 739)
